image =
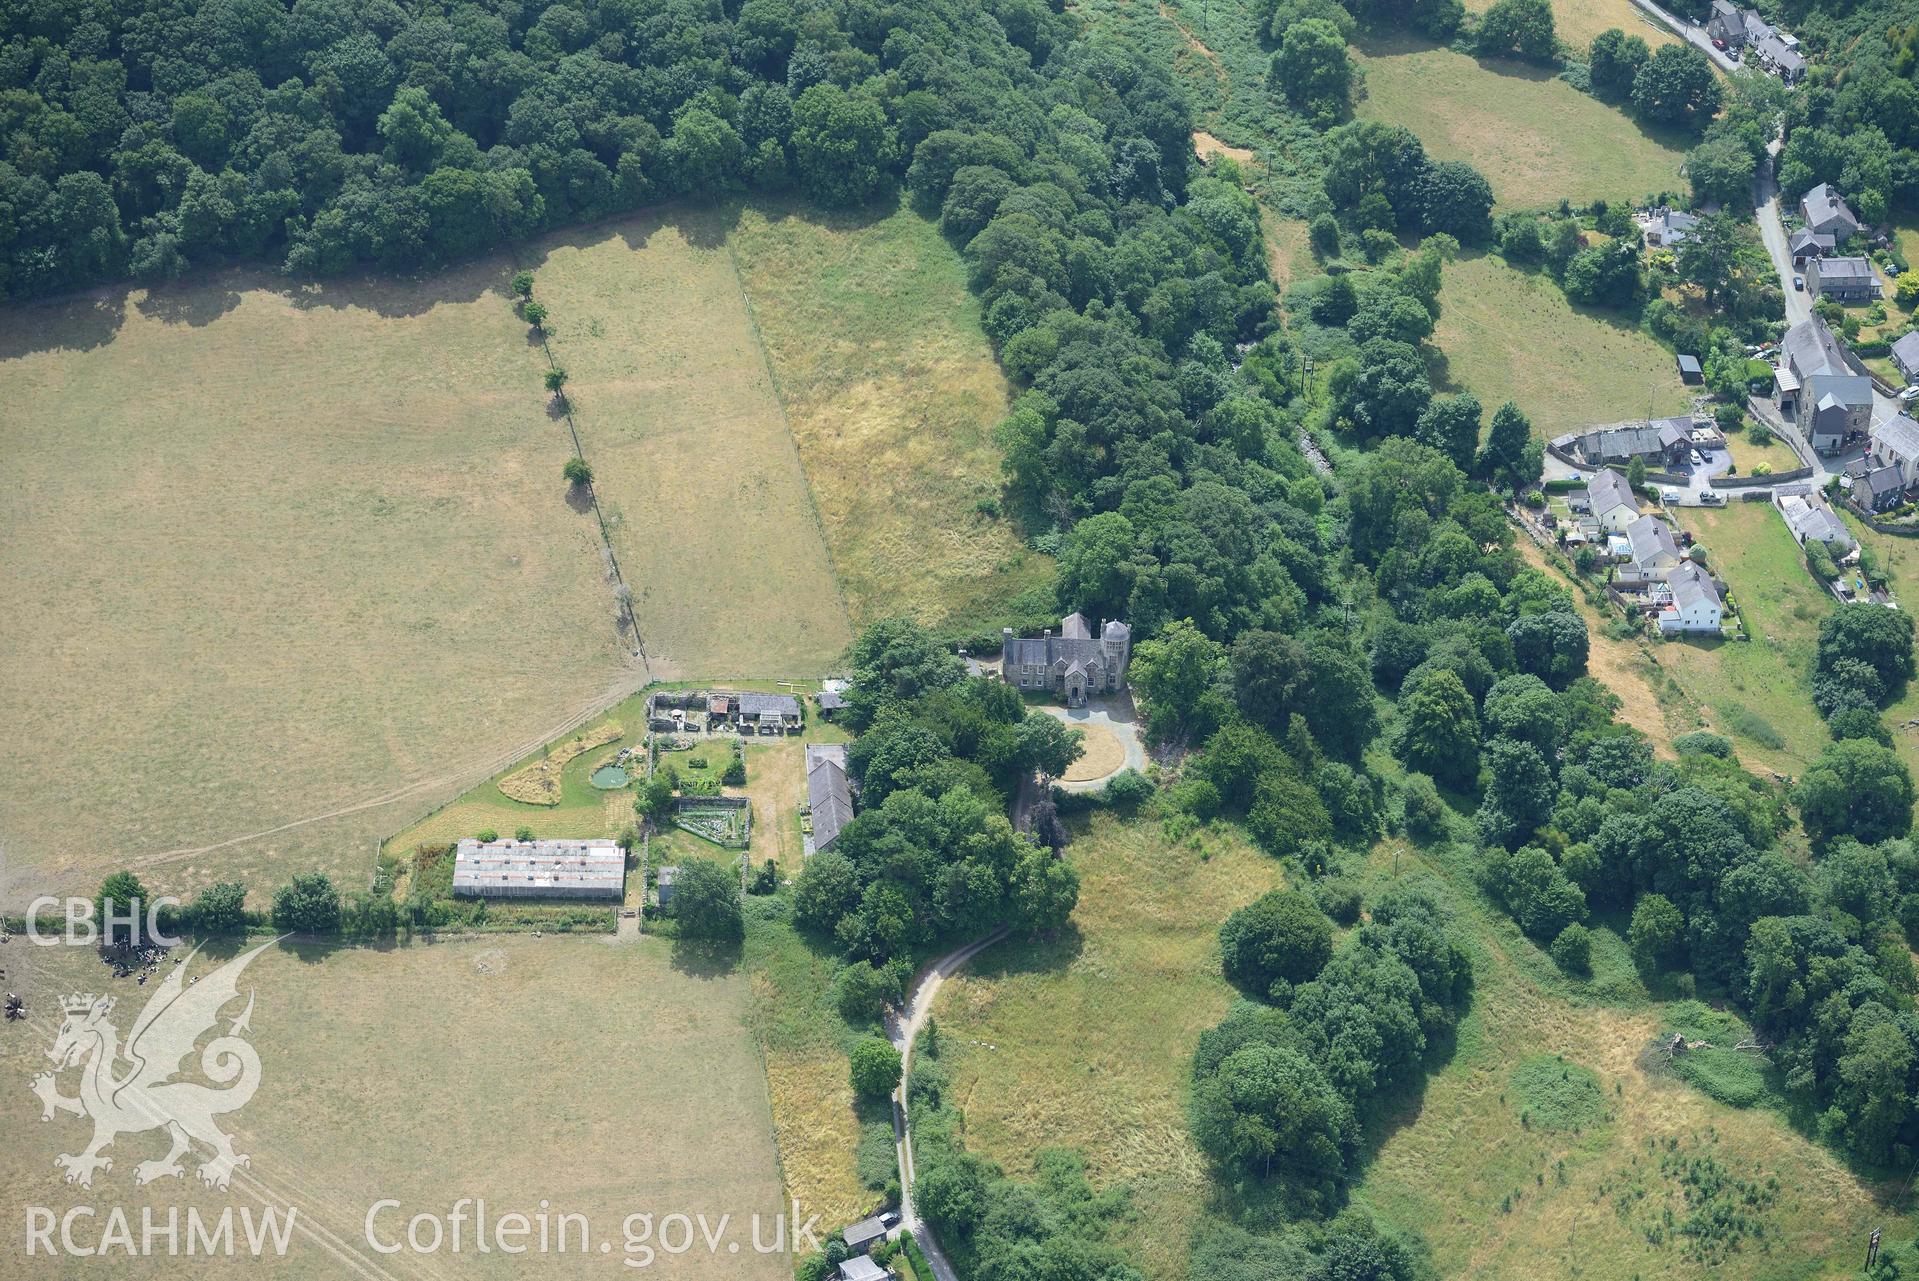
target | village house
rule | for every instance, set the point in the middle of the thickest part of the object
(1651, 549)
(1810, 518)
(1073, 664)
(755, 713)
(1880, 489)
(1826, 212)
(1611, 501)
(1781, 54)
(1669, 227)
(1735, 28)
(1818, 390)
(1905, 356)
(1689, 603)
(1844, 279)
(1662, 442)
(1895, 444)
(539, 869)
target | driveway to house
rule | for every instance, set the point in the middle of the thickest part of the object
(903, 1030)
(1116, 716)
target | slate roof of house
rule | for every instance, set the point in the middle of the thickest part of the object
(864, 1233)
(1848, 270)
(1607, 490)
(1074, 627)
(1810, 520)
(1691, 586)
(1654, 437)
(827, 793)
(831, 700)
(1674, 224)
(1900, 433)
(1067, 646)
(1884, 480)
(1844, 389)
(1782, 56)
(1810, 349)
(1650, 537)
(1905, 352)
(1824, 202)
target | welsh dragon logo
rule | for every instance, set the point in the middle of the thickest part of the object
(145, 1096)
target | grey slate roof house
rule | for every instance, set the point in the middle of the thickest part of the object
(1809, 518)
(1781, 57)
(1654, 550)
(1736, 26)
(1073, 664)
(1816, 387)
(1695, 605)
(1670, 227)
(829, 797)
(1895, 442)
(1880, 489)
(1826, 212)
(1611, 501)
(1905, 356)
(1846, 279)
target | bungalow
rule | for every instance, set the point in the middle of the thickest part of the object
(1662, 442)
(1826, 212)
(1806, 244)
(1669, 227)
(1809, 518)
(1691, 603)
(1611, 500)
(1651, 546)
(1848, 279)
(1905, 356)
(1895, 442)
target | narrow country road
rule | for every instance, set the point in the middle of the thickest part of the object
(1772, 230)
(903, 1031)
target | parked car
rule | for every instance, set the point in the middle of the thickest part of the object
(1909, 395)
(1799, 283)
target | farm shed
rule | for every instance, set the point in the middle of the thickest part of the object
(828, 797)
(861, 1268)
(1689, 370)
(540, 869)
(864, 1235)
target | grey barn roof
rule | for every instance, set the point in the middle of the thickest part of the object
(1805, 241)
(828, 794)
(861, 1268)
(1905, 352)
(864, 1233)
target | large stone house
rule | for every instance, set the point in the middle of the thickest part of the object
(1827, 213)
(1825, 396)
(1843, 279)
(1074, 664)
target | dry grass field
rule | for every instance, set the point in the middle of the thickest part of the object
(1498, 1196)
(1511, 335)
(1578, 21)
(1536, 138)
(1086, 1042)
(598, 1079)
(892, 393)
(694, 467)
(276, 554)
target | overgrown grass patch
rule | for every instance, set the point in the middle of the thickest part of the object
(1554, 1093)
(1737, 1078)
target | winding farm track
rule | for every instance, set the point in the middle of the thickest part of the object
(903, 1030)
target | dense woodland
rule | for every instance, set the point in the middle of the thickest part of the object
(1338, 654)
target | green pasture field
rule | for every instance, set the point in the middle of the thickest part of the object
(1578, 21)
(1537, 139)
(1086, 1041)
(603, 1080)
(1507, 334)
